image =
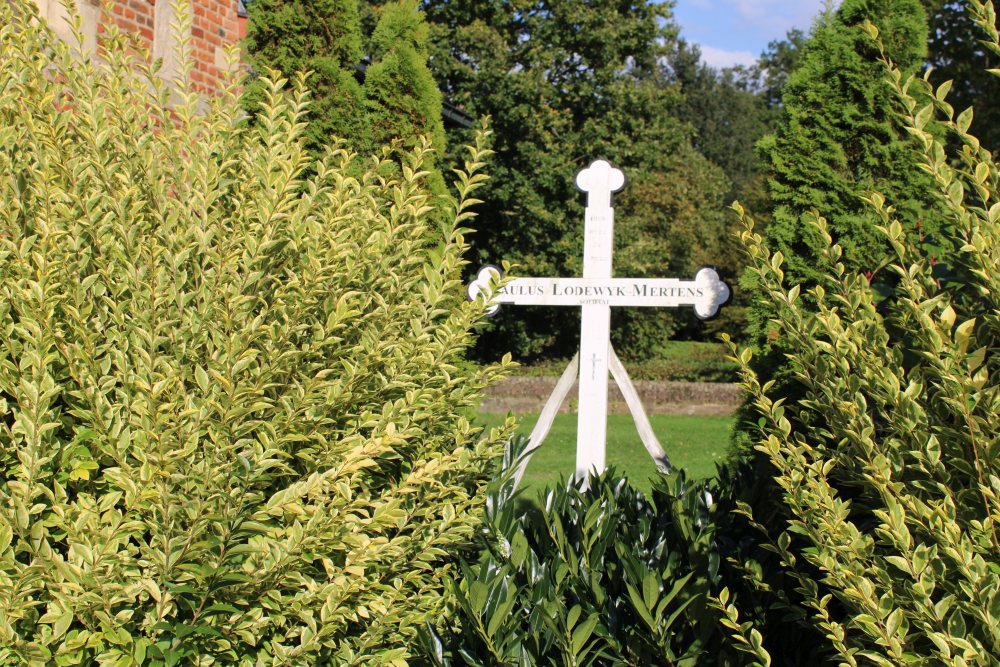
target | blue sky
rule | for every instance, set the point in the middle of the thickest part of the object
(732, 32)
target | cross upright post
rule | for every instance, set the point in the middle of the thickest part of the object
(598, 181)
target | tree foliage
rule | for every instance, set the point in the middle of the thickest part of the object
(402, 101)
(370, 100)
(957, 54)
(233, 396)
(776, 64)
(565, 82)
(323, 38)
(730, 113)
(839, 138)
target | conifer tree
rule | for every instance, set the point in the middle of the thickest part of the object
(398, 101)
(322, 37)
(402, 101)
(839, 140)
(399, 54)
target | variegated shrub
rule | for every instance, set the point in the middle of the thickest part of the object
(233, 403)
(889, 468)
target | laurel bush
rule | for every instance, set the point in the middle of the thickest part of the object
(602, 574)
(889, 468)
(233, 405)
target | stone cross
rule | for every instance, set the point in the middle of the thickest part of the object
(595, 293)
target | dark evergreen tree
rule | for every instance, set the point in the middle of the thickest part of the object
(393, 101)
(957, 54)
(323, 37)
(402, 101)
(839, 139)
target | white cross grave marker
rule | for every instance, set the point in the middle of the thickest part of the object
(595, 293)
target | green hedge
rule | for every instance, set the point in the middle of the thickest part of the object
(676, 361)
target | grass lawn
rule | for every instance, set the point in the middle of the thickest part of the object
(693, 443)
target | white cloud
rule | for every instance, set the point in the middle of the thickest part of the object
(722, 58)
(752, 9)
(735, 32)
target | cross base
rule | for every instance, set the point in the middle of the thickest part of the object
(558, 396)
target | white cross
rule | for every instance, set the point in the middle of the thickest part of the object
(595, 293)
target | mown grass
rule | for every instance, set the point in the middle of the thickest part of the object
(694, 443)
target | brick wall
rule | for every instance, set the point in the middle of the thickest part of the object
(214, 27)
(135, 17)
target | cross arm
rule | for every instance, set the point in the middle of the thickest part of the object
(707, 292)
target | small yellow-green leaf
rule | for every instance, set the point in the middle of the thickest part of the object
(202, 377)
